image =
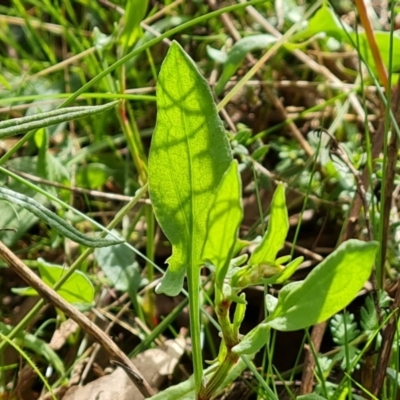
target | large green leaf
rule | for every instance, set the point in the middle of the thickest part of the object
(223, 223)
(189, 155)
(329, 287)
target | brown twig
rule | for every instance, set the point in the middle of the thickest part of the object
(88, 326)
(373, 46)
(386, 347)
(307, 379)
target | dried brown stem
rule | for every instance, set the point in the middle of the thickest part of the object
(376, 54)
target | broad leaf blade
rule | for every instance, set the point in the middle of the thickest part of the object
(223, 223)
(189, 155)
(275, 236)
(329, 287)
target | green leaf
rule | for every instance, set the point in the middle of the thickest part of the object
(253, 341)
(134, 14)
(237, 54)
(16, 126)
(383, 41)
(324, 20)
(120, 266)
(223, 223)
(343, 328)
(76, 290)
(329, 287)
(93, 175)
(189, 155)
(36, 345)
(56, 222)
(289, 270)
(278, 227)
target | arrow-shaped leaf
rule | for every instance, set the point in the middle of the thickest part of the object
(189, 155)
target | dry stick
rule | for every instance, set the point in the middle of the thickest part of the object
(89, 192)
(88, 326)
(390, 328)
(307, 378)
(366, 23)
(386, 347)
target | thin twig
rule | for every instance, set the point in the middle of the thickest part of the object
(373, 46)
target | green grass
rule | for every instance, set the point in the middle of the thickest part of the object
(282, 88)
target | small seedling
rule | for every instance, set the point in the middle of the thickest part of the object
(195, 189)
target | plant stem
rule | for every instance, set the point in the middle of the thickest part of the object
(366, 23)
(220, 374)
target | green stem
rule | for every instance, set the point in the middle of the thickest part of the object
(193, 276)
(220, 374)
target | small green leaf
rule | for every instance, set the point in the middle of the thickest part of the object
(275, 236)
(76, 290)
(56, 222)
(16, 126)
(329, 287)
(119, 264)
(223, 223)
(253, 341)
(237, 54)
(324, 20)
(189, 154)
(216, 55)
(185, 390)
(289, 270)
(93, 175)
(239, 314)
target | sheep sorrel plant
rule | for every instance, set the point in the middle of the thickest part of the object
(195, 189)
